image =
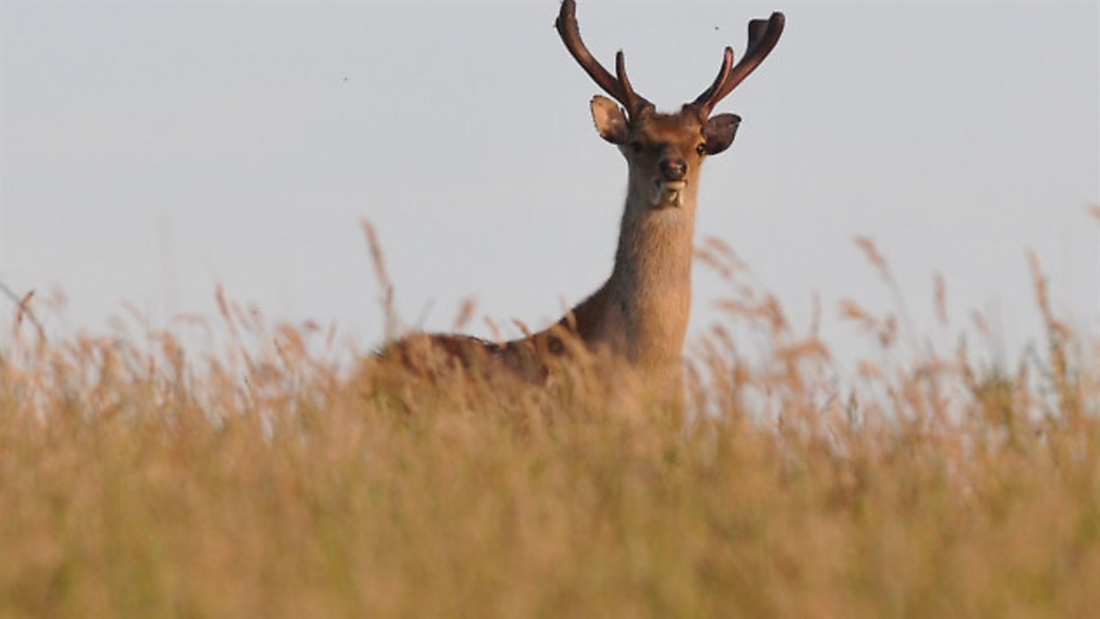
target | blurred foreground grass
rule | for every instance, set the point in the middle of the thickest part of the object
(136, 480)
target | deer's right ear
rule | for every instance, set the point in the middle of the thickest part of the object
(610, 120)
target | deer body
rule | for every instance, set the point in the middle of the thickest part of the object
(639, 317)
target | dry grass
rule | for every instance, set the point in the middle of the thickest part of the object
(136, 480)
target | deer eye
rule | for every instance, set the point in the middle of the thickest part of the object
(701, 148)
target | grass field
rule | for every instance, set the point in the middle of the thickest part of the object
(138, 480)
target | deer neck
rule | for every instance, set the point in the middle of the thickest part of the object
(641, 313)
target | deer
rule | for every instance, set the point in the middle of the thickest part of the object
(639, 317)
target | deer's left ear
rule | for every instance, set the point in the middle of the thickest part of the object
(719, 132)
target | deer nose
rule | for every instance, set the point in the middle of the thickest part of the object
(673, 169)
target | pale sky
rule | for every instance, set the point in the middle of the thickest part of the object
(150, 151)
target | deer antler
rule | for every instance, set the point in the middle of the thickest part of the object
(618, 87)
(763, 35)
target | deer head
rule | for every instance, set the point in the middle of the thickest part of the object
(665, 151)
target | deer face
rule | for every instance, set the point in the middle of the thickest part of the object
(664, 151)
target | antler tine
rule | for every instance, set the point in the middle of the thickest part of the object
(757, 28)
(763, 36)
(723, 75)
(619, 89)
(634, 102)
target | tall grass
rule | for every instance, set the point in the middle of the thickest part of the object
(138, 480)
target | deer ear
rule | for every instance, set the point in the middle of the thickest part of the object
(719, 132)
(610, 120)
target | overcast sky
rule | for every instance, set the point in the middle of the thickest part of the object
(150, 151)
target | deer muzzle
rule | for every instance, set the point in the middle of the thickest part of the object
(668, 193)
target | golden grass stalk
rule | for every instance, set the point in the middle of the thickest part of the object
(138, 479)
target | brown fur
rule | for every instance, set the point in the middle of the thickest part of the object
(640, 315)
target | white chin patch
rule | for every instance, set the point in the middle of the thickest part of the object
(668, 193)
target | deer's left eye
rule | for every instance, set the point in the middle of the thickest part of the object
(701, 148)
